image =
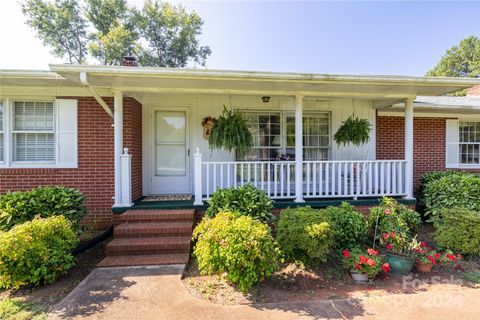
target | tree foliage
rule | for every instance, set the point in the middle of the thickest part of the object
(159, 34)
(60, 25)
(462, 60)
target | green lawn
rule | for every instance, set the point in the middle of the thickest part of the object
(15, 309)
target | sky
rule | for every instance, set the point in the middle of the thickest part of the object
(337, 37)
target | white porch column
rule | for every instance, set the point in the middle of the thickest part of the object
(409, 147)
(197, 163)
(299, 149)
(118, 144)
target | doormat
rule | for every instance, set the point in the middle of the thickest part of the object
(169, 197)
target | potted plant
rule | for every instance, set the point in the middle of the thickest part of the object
(425, 257)
(364, 265)
(399, 252)
(354, 130)
(231, 133)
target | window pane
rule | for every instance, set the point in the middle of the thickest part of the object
(469, 149)
(1, 148)
(33, 116)
(34, 147)
(1, 116)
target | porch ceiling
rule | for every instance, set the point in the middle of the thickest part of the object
(150, 80)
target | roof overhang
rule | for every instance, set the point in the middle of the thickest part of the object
(145, 80)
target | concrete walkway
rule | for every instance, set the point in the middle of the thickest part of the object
(157, 292)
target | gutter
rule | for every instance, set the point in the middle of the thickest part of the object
(84, 81)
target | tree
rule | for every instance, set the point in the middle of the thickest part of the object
(160, 34)
(60, 26)
(459, 61)
(171, 34)
(115, 35)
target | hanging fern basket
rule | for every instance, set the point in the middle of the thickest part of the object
(354, 130)
(231, 133)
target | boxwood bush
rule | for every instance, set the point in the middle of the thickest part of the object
(237, 245)
(458, 229)
(36, 252)
(305, 234)
(21, 206)
(246, 200)
(453, 190)
(349, 226)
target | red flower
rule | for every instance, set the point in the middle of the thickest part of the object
(438, 255)
(372, 252)
(387, 211)
(389, 246)
(451, 257)
(386, 236)
(371, 262)
(421, 251)
(363, 259)
(392, 234)
(432, 259)
(346, 254)
(386, 267)
(423, 244)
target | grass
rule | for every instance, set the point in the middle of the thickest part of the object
(472, 276)
(15, 309)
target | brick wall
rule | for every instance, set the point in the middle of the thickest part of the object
(428, 143)
(94, 176)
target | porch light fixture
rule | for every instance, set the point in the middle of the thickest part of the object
(265, 99)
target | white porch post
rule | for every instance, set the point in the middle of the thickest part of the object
(409, 147)
(299, 149)
(126, 175)
(118, 144)
(197, 160)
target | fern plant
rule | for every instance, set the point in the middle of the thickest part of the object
(231, 132)
(354, 130)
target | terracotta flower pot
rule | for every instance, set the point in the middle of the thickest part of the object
(399, 265)
(359, 277)
(423, 267)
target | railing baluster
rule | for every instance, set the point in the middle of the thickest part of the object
(339, 179)
(375, 190)
(262, 178)
(394, 177)
(370, 176)
(382, 178)
(314, 170)
(327, 178)
(320, 179)
(288, 179)
(352, 178)
(275, 181)
(221, 175)
(228, 175)
(357, 180)
(207, 179)
(255, 174)
(389, 176)
(308, 178)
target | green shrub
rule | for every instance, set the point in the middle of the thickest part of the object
(458, 229)
(461, 190)
(305, 234)
(36, 252)
(19, 207)
(237, 245)
(393, 217)
(349, 226)
(246, 200)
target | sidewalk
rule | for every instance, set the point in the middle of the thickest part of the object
(157, 292)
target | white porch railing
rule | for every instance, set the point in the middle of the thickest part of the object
(321, 179)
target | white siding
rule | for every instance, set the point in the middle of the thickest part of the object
(206, 105)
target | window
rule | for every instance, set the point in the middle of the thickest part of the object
(2, 134)
(33, 132)
(274, 136)
(469, 146)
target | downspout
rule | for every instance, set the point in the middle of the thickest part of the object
(84, 81)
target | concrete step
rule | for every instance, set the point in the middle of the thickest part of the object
(152, 229)
(151, 245)
(144, 260)
(132, 216)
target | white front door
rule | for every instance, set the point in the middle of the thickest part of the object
(169, 156)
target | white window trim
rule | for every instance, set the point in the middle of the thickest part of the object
(283, 126)
(4, 105)
(458, 165)
(8, 138)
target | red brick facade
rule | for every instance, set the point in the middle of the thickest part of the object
(95, 173)
(428, 143)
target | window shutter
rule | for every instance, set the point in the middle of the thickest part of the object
(452, 146)
(66, 133)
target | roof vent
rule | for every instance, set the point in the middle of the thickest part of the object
(129, 61)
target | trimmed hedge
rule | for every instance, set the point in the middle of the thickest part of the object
(237, 245)
(305, 234)
(349, 226)
(458, 229)
(21, 206)
(246, 200)
(451, 190)
(36, 252)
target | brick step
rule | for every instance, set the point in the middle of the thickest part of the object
(144, 260)
(152, 229)
(132, 216)
(152, 245)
